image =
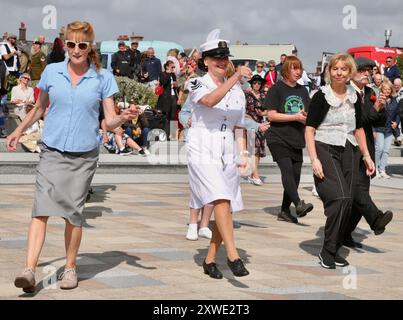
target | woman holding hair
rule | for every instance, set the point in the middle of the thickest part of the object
(286, 104)
(384, 135)
(70, 146)
(335, 138)
(218, 108)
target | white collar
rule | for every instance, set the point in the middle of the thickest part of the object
(334, 101)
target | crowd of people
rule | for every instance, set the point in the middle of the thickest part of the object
(228, 115)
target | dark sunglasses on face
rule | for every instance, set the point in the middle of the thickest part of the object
(260, 66)
(81, 45)
(26, 78)
(256, 82)
(272, 66)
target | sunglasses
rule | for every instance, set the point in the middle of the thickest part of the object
(260, 66)
(256, 82)
(388, 61)
(26, 78)
(81, 45)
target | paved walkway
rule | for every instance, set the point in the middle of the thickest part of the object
(134, 247)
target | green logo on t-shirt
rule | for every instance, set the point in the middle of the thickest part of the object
(293, 104)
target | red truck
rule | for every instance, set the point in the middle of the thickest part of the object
(378, 54)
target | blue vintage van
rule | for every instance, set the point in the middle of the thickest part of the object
(161, 48)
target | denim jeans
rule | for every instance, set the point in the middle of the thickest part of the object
(383, 142)
(142, 141)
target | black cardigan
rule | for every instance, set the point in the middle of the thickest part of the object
(319, 108)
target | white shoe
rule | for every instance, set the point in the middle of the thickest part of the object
(255, 181)
(383, 174)
(192, 232)
(314, 192)
(205, 233)
(147, 153)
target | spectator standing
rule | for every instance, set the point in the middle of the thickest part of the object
(167, 101)
(398, 89)
(279, 66)
(384, 135)
(44, 46)
(376, 85)
(151, 69)
(10, 55)
(271, 75)
(391, 70)
(254, 103)
(136, 55)
(38, 61)
(173, 56)
(123, 61)
(58, 54)
(260, 69)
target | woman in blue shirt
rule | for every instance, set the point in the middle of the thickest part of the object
(70, 138)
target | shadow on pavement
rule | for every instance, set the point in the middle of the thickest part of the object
(96, 263)
(314, 246)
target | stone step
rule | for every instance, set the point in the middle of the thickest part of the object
(174, 163)
(158, 147)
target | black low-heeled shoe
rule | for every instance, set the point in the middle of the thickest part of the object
(212, 270)
(237, 268)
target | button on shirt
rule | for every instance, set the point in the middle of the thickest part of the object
(230, 111)
(72, 122)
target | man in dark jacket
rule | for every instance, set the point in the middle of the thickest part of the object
(373, 115)
(151, 68)
(391, 70)
(123, 62)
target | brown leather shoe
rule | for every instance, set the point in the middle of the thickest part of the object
(69, 279)
(26, 281)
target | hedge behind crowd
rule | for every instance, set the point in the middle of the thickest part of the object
(128, 89)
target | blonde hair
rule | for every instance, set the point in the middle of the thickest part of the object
(25, 74)
(344, 57)
(230, 69)
(85, 29)
(388, 84)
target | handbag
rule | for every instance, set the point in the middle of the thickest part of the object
(159, 90)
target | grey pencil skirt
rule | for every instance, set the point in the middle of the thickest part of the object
(63, 180)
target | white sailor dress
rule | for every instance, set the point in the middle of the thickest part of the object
(211, 147)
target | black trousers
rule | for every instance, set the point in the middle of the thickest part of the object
(170, 116)
(336, 190)
(363, 206)
(290, 177)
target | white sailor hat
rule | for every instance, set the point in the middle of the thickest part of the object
(214, 46)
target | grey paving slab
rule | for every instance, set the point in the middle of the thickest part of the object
(130, 281)
(134, 247)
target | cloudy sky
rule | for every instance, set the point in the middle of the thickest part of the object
(312, 26)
